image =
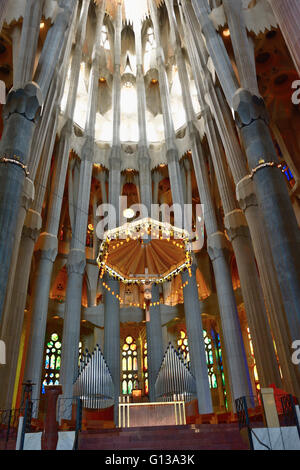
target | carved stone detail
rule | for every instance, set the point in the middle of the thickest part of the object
(248, 108)
(26, 101)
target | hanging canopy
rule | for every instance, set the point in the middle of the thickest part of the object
(145, 251)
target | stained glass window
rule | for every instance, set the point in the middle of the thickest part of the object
(129, 366)
(52, 361)
(183, 346)
(210, 360)
(145, 369)
(184, 349)
(219, 356)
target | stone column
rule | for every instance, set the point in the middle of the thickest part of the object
(21, 113)
(248, 203)
(156, 177)
(112, 334)
(274, 200)
(238, 232)
(154, 342)
(77, 258)
(28, 42)
(172, 151)
(14, 148)
(217, 246)
(14, 310)
(287, 12)
(143, 149)
(71, 332)
(18, 284)
(48, 242)
(272, 193)
(193, 310)
(111, 303)
(244, 50)
(115, 155)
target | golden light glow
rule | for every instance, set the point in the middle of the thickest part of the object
(102, 80)
(128, 213)
(226, 33)
(42, 25)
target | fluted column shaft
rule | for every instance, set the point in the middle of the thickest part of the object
(21, 115)
(172, 151)
(154, 342)
(14, 313)
(48, 242)
(193, 310)
(217, 247)
(143, 149)
(239, 236)
(77, 258)
(111, 303)
(244, 54)
(115, 155)
(272, 193)
(28, 42)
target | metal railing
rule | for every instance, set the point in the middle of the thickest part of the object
(248, 409)
(289, 414)
(10, 423)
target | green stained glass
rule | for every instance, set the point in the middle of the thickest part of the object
(130, 385)
(54, 337)
(214, 381)
(58, 362)
(52, 361)
(124, 387)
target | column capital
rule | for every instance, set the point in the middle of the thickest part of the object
(236, 224)
(47, 244)
(248, 108)
(245, 193)
(76, 261)
(217, 244)
(26, 101)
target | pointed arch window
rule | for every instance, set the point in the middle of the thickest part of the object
(52, 361)
(145, 369)
(129, 366)
(149, 46)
